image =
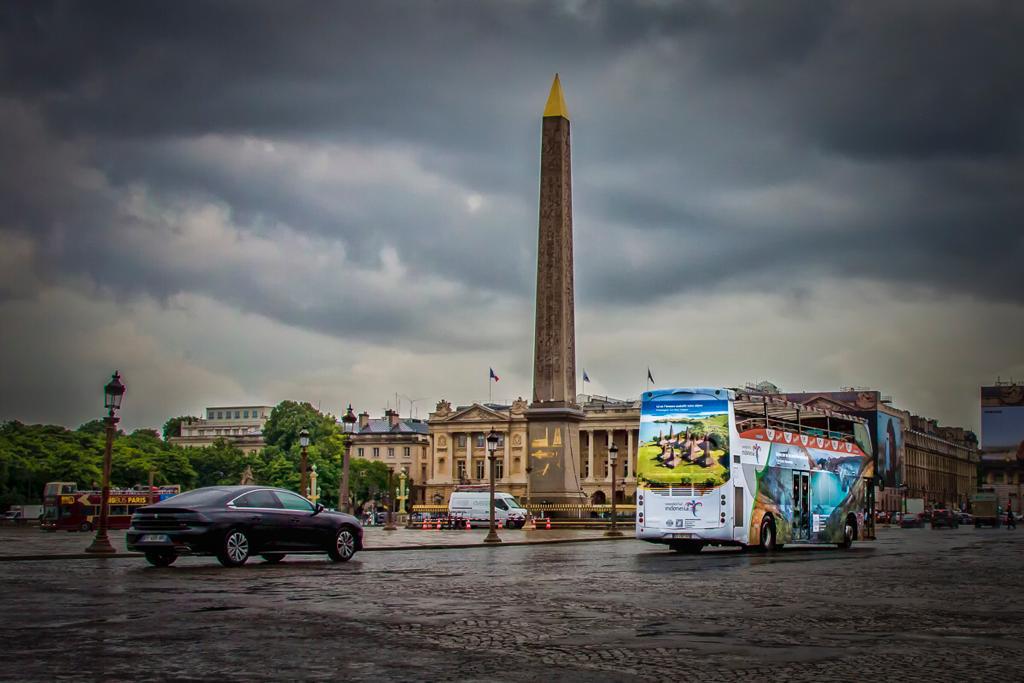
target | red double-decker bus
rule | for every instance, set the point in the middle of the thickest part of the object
(68, 509)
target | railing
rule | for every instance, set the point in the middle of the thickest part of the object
(557, 507)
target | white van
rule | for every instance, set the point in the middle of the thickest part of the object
(475, 506)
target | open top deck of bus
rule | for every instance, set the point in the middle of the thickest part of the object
(756, 410)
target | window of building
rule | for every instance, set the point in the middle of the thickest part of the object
(625, 467)
(480, 441)
(479, 469)
(586, 468)
(391, 452)
(462, 469)
(405, 451)
(461, 440)
(210, 414)
(238, 414)
(499, 468)
(376, 452)
(245, 413)
(220, 415)
(360, 451)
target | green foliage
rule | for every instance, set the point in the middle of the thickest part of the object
(31, 455)
(288, 418)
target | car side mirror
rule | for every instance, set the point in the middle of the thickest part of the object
(319, 509)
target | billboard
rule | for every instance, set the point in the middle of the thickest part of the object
(1002, 417)
(889, 446)
(684, 439)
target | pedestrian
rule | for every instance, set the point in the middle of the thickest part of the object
(1010, 521)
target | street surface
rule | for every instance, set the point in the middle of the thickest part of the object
(922, 605)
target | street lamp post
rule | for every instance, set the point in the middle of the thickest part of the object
(313, 494)
(390, 525)
(113, 393)
(492, 445)
(613, 454)
(303, 483)
(402, 492)
(349, 423)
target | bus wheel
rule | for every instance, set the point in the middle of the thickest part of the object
(687, 547)
(849, 533)
(160, 558)
(85, 526)
(768, 536)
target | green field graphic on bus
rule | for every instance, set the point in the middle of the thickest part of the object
(685, 442)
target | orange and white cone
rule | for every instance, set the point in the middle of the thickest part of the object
(548, 524)
(468, 525)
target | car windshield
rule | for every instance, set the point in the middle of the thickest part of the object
(204, 496)
(512, 502)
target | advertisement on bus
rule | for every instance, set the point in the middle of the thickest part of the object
(684, 440)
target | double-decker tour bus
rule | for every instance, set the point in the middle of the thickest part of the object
(729, 467)
(68, 509)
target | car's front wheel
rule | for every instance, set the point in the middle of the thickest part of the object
(234, 549)
(344, 546)
(161, 558)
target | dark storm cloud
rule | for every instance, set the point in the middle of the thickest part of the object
(683, 113)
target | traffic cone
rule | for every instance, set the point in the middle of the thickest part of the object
(499, 524)
(438, 523)
(533, 523)
(548, 524)
(468, 526)
(426, 524)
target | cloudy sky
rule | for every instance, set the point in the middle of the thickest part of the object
(246, 202)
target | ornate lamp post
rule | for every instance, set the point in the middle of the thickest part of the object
(389, 500)
(313, 494)
(113, 393)
(613, 455)
(304, 442)
(402, 492)
(348, 422)
(492, 445)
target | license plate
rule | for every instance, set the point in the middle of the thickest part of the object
(682, 535)
(155, 538)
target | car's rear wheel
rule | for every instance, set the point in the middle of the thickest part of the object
(272, 559)
(85, 526)
(234, 548)
(161, 558)
(344, 546)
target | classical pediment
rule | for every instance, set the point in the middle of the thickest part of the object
(477, 413)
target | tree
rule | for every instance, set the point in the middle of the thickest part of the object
(367, 478)
(218, 464)
(173, 426)
(288, 418)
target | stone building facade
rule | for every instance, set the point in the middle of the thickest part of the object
(242, 426)
(458, 449)
(401, 444)
(940, 464)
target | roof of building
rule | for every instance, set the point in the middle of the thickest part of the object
(383, 426)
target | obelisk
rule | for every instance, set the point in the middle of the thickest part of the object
(553, 417)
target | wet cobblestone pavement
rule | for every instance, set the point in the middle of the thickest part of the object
(914, 605)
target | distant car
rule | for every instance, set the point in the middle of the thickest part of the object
(912, 521)
(882, 517)
(944, 518)
(236, 522)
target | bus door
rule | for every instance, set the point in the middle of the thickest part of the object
(801, 520)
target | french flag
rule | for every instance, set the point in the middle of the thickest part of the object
(493, 376)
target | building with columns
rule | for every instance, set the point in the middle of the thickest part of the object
(458, 449)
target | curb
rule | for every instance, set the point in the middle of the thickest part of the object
(385, 548)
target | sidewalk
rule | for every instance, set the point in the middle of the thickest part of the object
(29, 543)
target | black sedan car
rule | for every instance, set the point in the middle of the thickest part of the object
(236, 522)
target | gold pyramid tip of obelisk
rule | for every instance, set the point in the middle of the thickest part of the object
(556, 101)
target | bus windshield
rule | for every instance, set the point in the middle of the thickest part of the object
(684, 438)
